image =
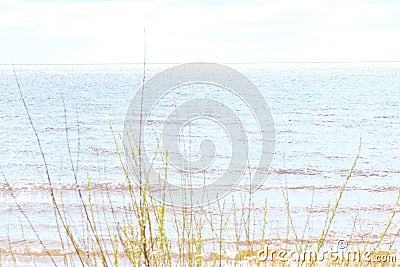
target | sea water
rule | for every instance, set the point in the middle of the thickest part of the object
(321, 113)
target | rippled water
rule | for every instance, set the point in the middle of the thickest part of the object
(320, 111)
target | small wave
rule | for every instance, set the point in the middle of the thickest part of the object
(337, 172)
(64, 186)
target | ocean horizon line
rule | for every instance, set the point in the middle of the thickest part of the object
(229, 63)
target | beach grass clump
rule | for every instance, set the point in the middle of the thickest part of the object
(148, 232)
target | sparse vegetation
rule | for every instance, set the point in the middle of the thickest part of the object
(145, 232)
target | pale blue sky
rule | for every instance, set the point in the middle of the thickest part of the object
(61, 31)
